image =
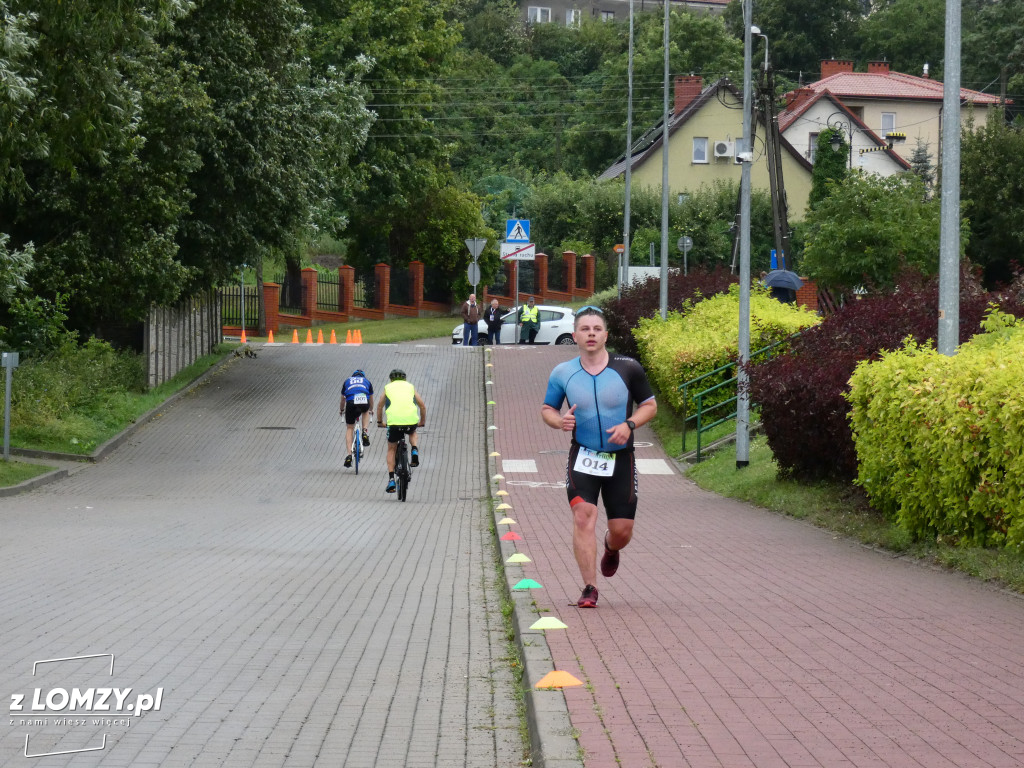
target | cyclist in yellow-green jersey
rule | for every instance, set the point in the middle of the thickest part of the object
(403, 410)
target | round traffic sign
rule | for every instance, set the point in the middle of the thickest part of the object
(473, 273)
(684, 243)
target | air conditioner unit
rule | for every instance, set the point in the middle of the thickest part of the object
(725, 148)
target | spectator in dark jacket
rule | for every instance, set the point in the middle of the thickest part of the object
(493, 319)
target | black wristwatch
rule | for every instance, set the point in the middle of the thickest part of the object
(631, 425)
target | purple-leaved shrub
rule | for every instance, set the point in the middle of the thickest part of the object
(804, 413)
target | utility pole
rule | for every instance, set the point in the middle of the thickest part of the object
(773, 153)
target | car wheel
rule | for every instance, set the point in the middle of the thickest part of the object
(565, 338)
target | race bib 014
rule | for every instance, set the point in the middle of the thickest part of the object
(594, 463)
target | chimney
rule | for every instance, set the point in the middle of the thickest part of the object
(687, 88)
(878, 67)
(831, 67)
(794, 98)
(924, 74)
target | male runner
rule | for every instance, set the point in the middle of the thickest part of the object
(600, 389)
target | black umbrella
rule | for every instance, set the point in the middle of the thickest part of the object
(783, 278)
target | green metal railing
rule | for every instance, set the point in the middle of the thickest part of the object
(702, 426)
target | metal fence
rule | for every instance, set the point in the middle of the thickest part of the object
(365, 289)
(175, 337)
(436, 287)
(558, 280)
(527, 277)
(290, 301)
(328, 288)
(231, 306)
(400, 288)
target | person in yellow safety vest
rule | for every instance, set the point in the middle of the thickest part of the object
(529, 319)
(404, 410)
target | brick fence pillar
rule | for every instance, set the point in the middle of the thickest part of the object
(807, 296)
(309, 280)
(271, 305)
(382, 273)
(570, 271)
(540, 264)
(589, 265)
(416, 272)
(346, 288)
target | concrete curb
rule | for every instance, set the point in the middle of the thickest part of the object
(552, 743)
(101, 452)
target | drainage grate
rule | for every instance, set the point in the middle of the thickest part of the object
(275, 427)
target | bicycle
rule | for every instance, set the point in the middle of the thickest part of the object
(403, 471)
(357, 446)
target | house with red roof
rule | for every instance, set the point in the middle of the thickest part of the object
(705, 128)
(879, 102)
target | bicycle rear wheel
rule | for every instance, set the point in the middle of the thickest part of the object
(357, 448)
(402, 471)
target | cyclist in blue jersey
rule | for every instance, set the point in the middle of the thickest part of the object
(600, 389)
(356, 402)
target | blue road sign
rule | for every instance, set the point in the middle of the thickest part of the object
(517, 231)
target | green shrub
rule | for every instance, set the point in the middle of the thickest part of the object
(705, 336)
(940, 440)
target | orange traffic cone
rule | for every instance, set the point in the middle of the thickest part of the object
(320, 336)
(359, 336)
(334, 338)
(295, 335)
(243, 336)
(309, 335)
(270, 337)
(348, 336)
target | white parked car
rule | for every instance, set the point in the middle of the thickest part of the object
(556, 324)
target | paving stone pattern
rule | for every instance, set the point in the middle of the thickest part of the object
(290, 611)
(735, 637)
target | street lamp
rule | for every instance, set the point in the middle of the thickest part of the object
(755, 30)
(839, 122)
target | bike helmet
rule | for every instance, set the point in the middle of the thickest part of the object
(359, 372)
(397, 374)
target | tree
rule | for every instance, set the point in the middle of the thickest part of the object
(830, 165)
(992, 191)
(906, 33)
(993, 45)
(408, 45)
(868, 228)
(83, 188)
(802, 32)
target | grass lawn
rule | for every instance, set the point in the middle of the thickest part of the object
(13, 472)
(845, 510)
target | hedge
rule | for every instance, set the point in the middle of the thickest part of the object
(705, 336)
(940, 440)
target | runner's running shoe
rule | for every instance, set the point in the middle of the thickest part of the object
(348, 460)
(589, 597)
(609, 560)
(391, 486)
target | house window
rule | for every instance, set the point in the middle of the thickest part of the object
(607, 15)
(700, 149)
(572, 18)
(536, 14)
(812, 146)
(888, 123)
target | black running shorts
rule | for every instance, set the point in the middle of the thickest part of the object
(353, 411)
(619, 491)
(395, 433)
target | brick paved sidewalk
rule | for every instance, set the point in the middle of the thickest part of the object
(732, 636)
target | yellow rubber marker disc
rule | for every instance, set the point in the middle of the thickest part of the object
(548, 622)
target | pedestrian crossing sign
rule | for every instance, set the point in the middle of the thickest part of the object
(517, 231)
